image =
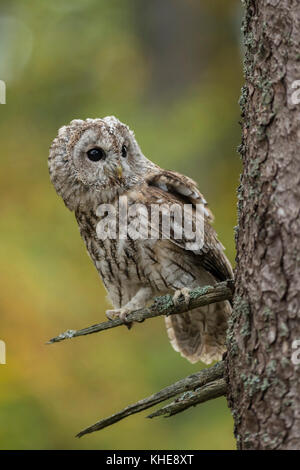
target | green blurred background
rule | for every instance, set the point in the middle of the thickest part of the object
(171, 69)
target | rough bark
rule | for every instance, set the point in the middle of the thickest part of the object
(264, 391)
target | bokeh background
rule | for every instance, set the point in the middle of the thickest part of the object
(171, 69)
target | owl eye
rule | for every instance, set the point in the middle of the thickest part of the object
(96, 154)
(124, 151)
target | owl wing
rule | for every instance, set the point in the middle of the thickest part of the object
(180, 186)
(200, 334)
(169, 187)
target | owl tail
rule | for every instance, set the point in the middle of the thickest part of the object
(199, 335)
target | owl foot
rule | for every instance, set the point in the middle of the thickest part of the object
(120, 313)
(185, 292)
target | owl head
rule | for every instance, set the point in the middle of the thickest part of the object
(95, 160)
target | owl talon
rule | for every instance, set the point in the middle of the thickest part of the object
(185, 292)
(120, 313)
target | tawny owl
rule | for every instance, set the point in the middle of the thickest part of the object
(96, 163)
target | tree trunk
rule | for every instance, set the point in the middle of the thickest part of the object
(261, 364)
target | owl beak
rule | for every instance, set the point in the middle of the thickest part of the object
(119, 171)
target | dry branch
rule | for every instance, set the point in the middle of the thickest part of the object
(207, 392)
(163, 305)
(207, 384)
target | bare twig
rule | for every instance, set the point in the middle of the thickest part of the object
(163, 305)
(200, 379)
(207, 392)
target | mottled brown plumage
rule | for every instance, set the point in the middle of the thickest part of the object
(134, 271)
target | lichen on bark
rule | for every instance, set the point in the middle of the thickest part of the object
(263, 381)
